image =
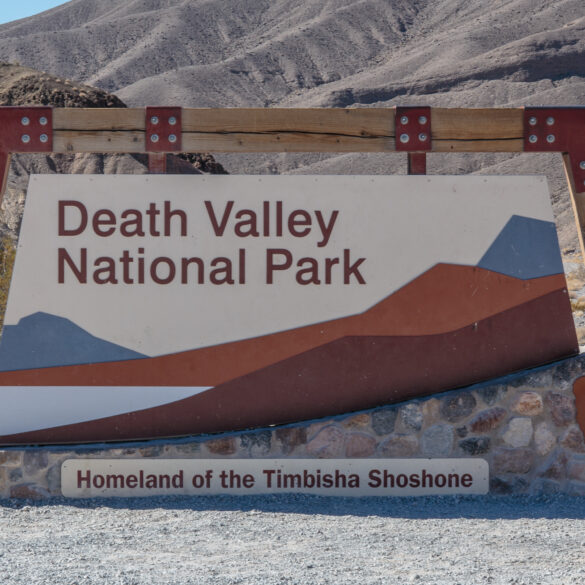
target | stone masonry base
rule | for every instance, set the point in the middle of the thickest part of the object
(524, 426)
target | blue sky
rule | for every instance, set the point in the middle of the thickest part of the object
(15, 9)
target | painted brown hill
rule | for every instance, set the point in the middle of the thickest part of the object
(445, 298)
(352, 373)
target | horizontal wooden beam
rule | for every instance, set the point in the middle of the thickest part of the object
(288, 130)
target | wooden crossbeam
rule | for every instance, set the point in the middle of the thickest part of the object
(287, 130)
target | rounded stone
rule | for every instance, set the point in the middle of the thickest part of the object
(576, 468)
(383, 421)
(573, 439)
(431, 410)
(561, 408)
(519, 432)
(360, 445)
(437, 441)
(528, 404)
(513, 460)
(411, 416)
(34, 461)
(508, 485)
(328, 443)
(456, 408)
(222, 446)
(491, 394)
(290, 438)
(399, 446)
(544, 439)
(488, 419)
(258, 444)
(28, 492)
(357, 421)
(556, 468)
(475, 445)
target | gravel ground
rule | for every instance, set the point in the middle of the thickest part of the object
(294, 540)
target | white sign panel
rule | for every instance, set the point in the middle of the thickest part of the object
(84, 478)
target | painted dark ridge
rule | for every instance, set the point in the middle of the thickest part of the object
(525, 248)
(43, 340)
(444, 298)
(348, 374)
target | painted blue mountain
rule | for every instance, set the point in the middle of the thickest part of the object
(42, 340)
(525, 248)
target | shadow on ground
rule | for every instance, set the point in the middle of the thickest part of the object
(429, 507)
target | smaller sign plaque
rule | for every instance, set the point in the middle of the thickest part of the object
(83, 478)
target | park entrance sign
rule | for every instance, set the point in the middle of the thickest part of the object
(156, 306)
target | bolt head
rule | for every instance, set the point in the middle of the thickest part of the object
(172, 120)
(25, 138)
(44, 138)
(404, 120)
(43, 121)
(550, 121)
(550, 138)
(422, 137)
(532, 139)
(404, 138)
(154, 120)
(25, 121)
(422, 120)
(154, 138)
(172, 139)
(582, 165)
(532, 121)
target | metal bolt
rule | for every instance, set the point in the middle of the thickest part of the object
(44, 138)
(422, 120)
(550, 138)
(172, 120)
(582, 165)
(172, 139)
(154, 138)
(154, 120)
(43, 121)
(532, 138)
(404, 138)
(25, 138)
(25, 121)
(550, 121)
(404, 120)
(532, 121)
(422, 137)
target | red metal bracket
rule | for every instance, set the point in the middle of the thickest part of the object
(558, 130)
(26, 129)
(163, 129)
(413, 129)
(23, 129)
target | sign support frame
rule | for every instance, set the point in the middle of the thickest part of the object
(130, 130)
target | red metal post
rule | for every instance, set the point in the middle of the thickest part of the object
(157, 163)
(417, 163)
